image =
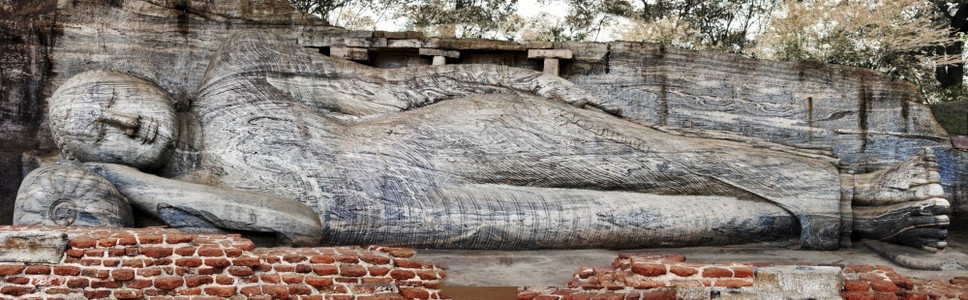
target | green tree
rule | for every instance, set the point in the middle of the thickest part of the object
(468, 18)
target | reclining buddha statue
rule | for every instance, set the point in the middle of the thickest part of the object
(305, 149)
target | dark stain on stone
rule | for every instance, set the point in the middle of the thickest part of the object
(864, 99)
(608, 57)
(183, 19)
(810, 119)
(116, 3)
(905, 113)
(663, 78)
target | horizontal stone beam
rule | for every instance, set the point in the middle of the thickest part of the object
(549, 53)
(439, 52)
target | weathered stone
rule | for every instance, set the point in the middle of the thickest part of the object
(32, 246)
(439, 52)
(360, 54)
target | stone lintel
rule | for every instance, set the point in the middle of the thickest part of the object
(398, 34)
(439, 52)
(549, 53)
(408, 43)
(350, 53)
(32, 246)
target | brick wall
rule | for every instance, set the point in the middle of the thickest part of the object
(161, 263)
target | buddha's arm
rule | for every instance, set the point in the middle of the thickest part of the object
(292, 222)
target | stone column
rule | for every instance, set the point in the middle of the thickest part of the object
(440, 56)
(551, 57)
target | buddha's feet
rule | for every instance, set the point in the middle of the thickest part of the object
(903, 204)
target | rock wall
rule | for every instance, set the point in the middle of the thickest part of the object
(865, 118)
(167, 263)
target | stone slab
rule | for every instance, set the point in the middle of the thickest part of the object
(960, 142)
(350, 53)
(32, 246)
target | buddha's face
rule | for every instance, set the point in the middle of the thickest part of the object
(106, 116)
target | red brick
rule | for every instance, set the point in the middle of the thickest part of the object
(246, 261)
(57, 291)
(856, 285)
(186, 251)
(157, 292)
(322, 259)
(6, 270)
(111, 262)
(418, 293)
(377, 280)
(76, 283)
(298, 289)
(75, 253)
(683, 271)
(188, 262)
(128, 294)
(151, 239)
(644, 283)
(17, 280)
(150, 272)
(37, 270)
(883, 286)
(208, 270)
(432, 285)
(378, 271)
(284, 268)
(245, 245)
(233, 252)
(156, 252)
(105, 284)
(167, 283)
(348, 258)
(271, 259)
(95, 294)
(352, 270)
(271, 278)
(107, 242)
(733, 283)
(94, 253)
(122, 274)
(115, 252)
(179, 238)
(325, 269)
(400, 252)
(210, 251)
(83, 243)
(276, 291)
(318, 282)
(402, 274)
(649, 269)
(91, 262)
(374, 259)
(224, 280)
(743, 272)
(138, 283)
(303, 268)
(715, 272)
(292, 258)
(292, 279)
(66, 270)
(189, 292)
(240, 271)
(251, 290)
(870, 277)
(221, 291)
(132, 251)
(885, 296)
(217, 262)
(126, 240)
(406, 263)
(197, 280)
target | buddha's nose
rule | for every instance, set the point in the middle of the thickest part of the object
(129, 123)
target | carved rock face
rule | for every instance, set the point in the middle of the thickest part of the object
(107, 116)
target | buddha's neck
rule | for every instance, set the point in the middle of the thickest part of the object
(185, 157)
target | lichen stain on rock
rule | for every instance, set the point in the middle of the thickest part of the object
(863, 108)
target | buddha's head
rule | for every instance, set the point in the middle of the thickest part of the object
(107, 116)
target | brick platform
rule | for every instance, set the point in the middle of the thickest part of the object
(160, 263)
(648, 276)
